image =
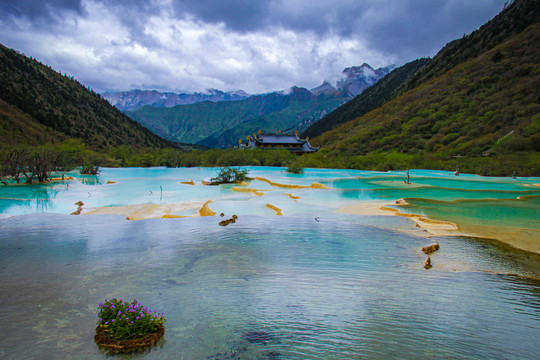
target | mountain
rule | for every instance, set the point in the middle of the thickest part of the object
(39, 105)
(354, 80)
(482, 102)
(222, 124)
(515, 18)
(135, 99)
(369, 99)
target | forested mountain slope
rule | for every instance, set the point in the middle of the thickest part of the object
(488, 105)
(371, 98)
(515, 18)
(40, 105)
(221, 124)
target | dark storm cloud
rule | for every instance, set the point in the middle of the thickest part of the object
(415, 28)
(253, 45)
(37, 11)
(401, 28)
(238, 15)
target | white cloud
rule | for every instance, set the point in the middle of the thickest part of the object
(175, 45)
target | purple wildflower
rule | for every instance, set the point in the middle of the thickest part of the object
(100, 304)
(131, 322)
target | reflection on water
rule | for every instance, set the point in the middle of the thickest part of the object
(265, 288)
(36, 198)
(311, 284)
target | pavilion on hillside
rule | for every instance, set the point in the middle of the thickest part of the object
(291, 142)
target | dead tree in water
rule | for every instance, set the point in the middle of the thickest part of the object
(408, 178)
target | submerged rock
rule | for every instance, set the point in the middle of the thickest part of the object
(258, 337)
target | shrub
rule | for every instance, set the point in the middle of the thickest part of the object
(124, 321)
(295, 168)
(228, 175)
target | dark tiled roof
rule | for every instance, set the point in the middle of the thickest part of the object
(279, 139)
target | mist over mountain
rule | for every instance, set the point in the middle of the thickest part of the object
(135, 99)
(221, 123)
(353, 80)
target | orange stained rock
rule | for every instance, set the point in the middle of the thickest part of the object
(275, 208)
(427, 263)
(254, 191)
(431, 248)
(205, 210)
(110, 182)
(79, 208)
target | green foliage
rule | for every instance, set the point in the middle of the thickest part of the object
(37, 103)
(30, 163)
(229, 175)
(295, 168)
(369, 99)
(485, 110)
(223, 123)
(122, 320)
(513, 20)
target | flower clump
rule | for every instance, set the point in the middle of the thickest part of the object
(122, 320)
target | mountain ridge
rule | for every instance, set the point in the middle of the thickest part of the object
(485, 109)
(135, 99)
(37, 98)
(203, 122)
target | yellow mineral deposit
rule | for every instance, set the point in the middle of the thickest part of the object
(62, 178)
(170, 216)
(190, 182)
(289, 186)
(110, 182)
(254, 191)
(205, 210)
(294, 197)
(275, 208)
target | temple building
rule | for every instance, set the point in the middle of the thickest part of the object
(291, 142)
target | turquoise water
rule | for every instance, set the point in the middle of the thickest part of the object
(267, 287)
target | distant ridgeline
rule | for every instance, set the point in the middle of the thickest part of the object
(39, 106)
(219, 124)
(477, 98)
(278, 140)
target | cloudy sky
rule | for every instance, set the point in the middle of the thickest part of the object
(256, 46)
